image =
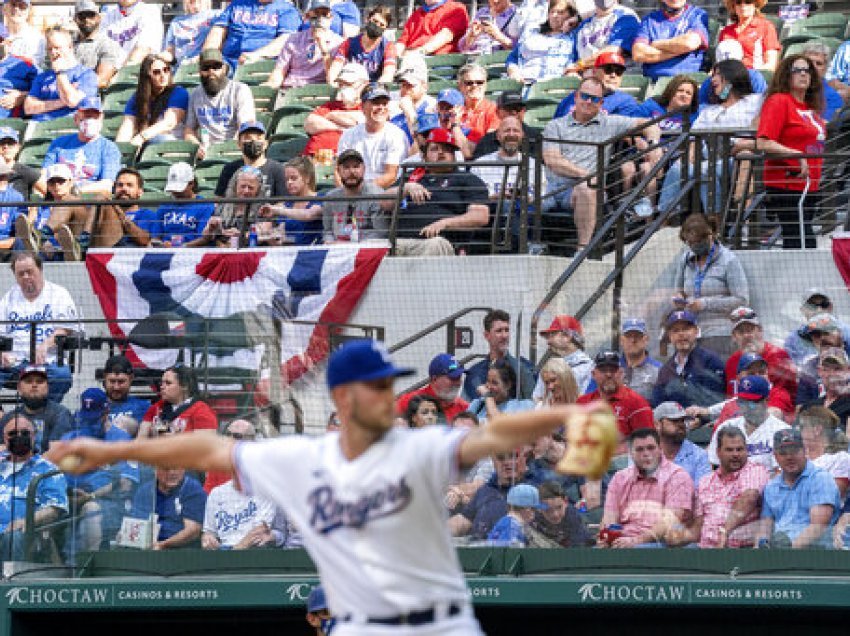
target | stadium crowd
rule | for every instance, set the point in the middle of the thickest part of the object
(733, 441)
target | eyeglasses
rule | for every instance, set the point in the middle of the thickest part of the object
(593, 99)
(247, 436)
(613, 69)
(161, 71)
(474, 82)
(210, 67)
(801, 69)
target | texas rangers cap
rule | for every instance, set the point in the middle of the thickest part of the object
(669, 411)
(442, 136)
(90, 103)
(680, 316)
(525, 496)
(93, 404)
(787, 438)
(606, 358)
(362, 361)
(86, 5)
(374, 91)
(634, 324)
(450, 96)
(349, 155)
(743, 315)
(747, 360)
(445, 364)
(610, 58)
(58, 171)
(316, 601)
(252, 125)
(754, 388)
(7, 132)
(32, 368)
(180, 175)
(427, 122)
(835, 356)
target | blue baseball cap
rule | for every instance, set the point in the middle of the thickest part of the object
(747, 360)
(90, 103)
(362, 361)
(252, 125)
(445, 364)
(525, 496)
(681, 316)
(9, 133)
(450, 96)
(374, 91)
(316, 601)
(634, 324)
(93, 404)
(754, 388)
(427, 122)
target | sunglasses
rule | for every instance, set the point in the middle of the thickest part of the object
(613, 69)
(474, 82)
(240, 435)
(211, 67)
(161, 71)
(801, 69)
(593, 99)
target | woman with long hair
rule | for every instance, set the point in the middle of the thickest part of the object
(422, 411)
(559, 381)
(499, 394)
(680, 95)
(155, 112)
(180, 408)
(545, 53)
(302, 219)
(756, 34)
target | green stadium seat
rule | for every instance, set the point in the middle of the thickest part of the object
(167, 153)
(116, 100)
(283, 151)
(636, 86)
(127, 76)
(188, 75)
(208, 176)
(436, 85)
(222, 152)
(128, 153)
(831, 43)
(445, 66)
(496, 87)
(155, 177)
(54, 128)
(255, 73)
(551, 91)
(820, 25)
(539, 116)
(325, 177)
(264, 98)
(32, 154)
(494, 63)
(15, 123)
(289, 126)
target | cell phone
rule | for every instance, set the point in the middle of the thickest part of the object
(486, 19)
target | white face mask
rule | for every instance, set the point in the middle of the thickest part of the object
(90, 128)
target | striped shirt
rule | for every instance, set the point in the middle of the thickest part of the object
(717, 493)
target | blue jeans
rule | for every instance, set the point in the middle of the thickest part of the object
(58, 379)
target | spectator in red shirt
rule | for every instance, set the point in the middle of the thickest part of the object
(633, 411)
(478, 114)
(445, 381)
(748, 335)
(756, 34)
(326, 123)
(179, 410)
(434, 28)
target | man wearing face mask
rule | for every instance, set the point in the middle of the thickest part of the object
(20, 464)
(93, 159)
(445, 378)
(611, 29)
(48, 418)
(306, 56)
(755, 422)
(671, 40)
(327, 122)
(252, 142)
(94, 48)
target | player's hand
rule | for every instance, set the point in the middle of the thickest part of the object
(91, 453)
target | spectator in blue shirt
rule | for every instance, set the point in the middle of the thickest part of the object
(93, 159)
(185, 219)
(671, 40)
(801, 504)
(178, 502)
(818, 54)
(345, 18)
(523, 500)
(838, 75)
(16, 78)
(58, 91)
(609, 70)
(671, 423)
(187, 32)
(248, 30)
(8, 213)
(117, 382)
(125, 224)
(19, 466)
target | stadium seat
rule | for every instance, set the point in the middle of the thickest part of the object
(166, 153)
(155, 177)
(289, 126)
(436, 85)
(111, 124)
(208, 177)
(539, 116)
(636, 86)
(127, 76)
(32, 154)
(188, 75)
(831, 43)
(445, 66)
(820, 25)
(494, 63)
(283, 151)
(53, 128)
(255, 73)
(222, 152)
(15, 123)
(116, 100)
(551, 91)
(128, 153)
(496, 87)
(324, 177)
(264, 98)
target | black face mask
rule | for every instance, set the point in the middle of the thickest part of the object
(253, 149)
(20, 443)
(373, 30)
(86, 28)
(34, 404)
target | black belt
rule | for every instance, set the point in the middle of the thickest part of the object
(422, 617)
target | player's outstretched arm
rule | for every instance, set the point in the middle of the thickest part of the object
(200, 450)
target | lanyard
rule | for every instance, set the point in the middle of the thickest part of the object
(700, 275)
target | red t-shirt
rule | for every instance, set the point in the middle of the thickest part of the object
(450, 409)
(421, 26)
(632, 410)
(780, 369)
(757, 38)
(199, 416)
(327, 139)
(481, 120)
(794, 125)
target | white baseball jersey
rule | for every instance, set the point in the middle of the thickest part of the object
(375, 526)
(53, 303)
(229, 514)
(140, 25)
(759, 442)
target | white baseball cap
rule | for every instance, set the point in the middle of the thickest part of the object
(180, 175)
(353, 72)
(728, 50)
(58, 170)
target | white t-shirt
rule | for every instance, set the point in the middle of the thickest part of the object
(376, 526)
(388, 146)
(28, 44)
(836, 464)
(759, 443)
(54, 303)
(221, 114)
(494, 176)
(229, 514)
(140, 25)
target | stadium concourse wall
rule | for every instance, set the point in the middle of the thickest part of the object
(409, 294)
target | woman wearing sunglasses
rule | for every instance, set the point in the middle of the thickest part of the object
(545, 52)
(756, 34)
(155, 112)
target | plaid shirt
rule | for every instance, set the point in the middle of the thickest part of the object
(717, 493)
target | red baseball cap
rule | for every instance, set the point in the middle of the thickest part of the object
(610, 58)
(442, 136)
(563, 322)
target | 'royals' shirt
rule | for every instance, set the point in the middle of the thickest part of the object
(44, 88)
(89, 161)
(252, 24)
(181, 223)
(657, 26)
(15, 74)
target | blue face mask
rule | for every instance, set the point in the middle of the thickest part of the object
(327, 625)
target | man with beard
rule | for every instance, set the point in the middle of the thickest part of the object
(253, 144)
(19, 466)
(671, 423)
(647, 498)
(117, 382)
(353, 220)
(633, 411)
(509, 104)
(444, 381)
(218, 107)
(181, 221)
(49, 419)
(327, 122)
(125, 224)
(728, 500)
(94, 48)
(755, 422)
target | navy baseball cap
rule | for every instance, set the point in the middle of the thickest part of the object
(374, 91)
(681, 316)
(252, 125)
(90, 103)
(747, 360)
(362, 361)
(634, 324)
(316, 601)
(450, 96)
(787, 438)
(754, 388)
(445, 364)
(93, 404)
(606, 358)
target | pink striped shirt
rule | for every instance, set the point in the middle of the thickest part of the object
(638, 502)
(715, 496)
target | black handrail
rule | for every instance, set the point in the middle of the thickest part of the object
(445, 322)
